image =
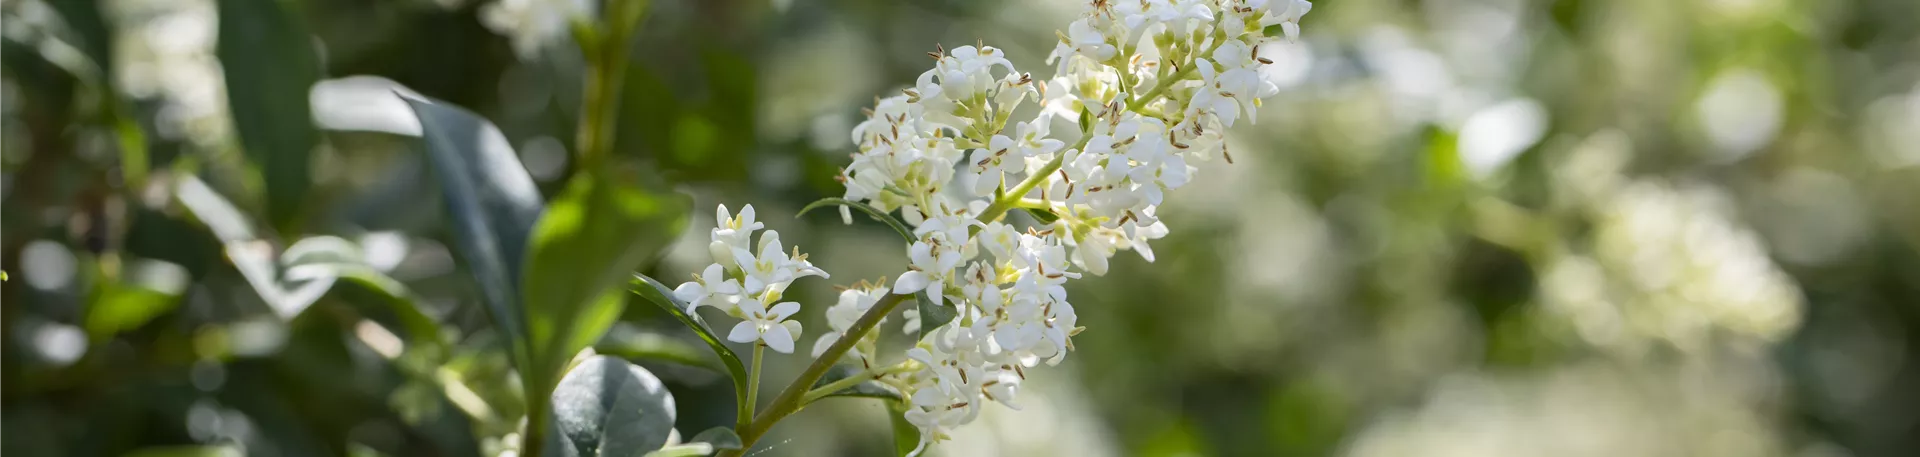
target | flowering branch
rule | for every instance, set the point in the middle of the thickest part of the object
(945, 157)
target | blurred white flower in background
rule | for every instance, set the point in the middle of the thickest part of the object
(165, 50)
(532, 24)
(1583, 410)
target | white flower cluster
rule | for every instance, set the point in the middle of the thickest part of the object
(531, 24)
(1151, 85)
(742, 283)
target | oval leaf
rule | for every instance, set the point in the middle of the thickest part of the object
(606, 406)
(492, 203)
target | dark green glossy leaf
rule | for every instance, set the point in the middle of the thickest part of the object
(661, 296)
(492, 203)
(721, 438)
(608, 407)
(269, 62)
(876, 213)
(933, 316)
(586, 244)
(868, 389)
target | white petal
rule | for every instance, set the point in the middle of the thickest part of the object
(752, 307)
(794, 327)
(910, 282)
(770, 245)
(779, 339)
(746, 218)
(820, 346)
(721, 218)
(743, 332)
(781, 311)
(690, 292)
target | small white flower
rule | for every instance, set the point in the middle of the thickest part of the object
(767, 326)
(711, 288)
(1088, 41)
(735, 230)
(1290, 18)
(842, 315)
(772, 268)
(995, 164)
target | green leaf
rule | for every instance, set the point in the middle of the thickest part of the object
(868, 389)
(492, 204)
(269, 64)
(608, 407)
(661, 296)
(1043, 216)
(364, 104)
(625, 342)
(933, 316)
(186, 451)
(146, 289)
(591, 237)
(906, 436)
(251, 256)
(722, 439)
(321, 257)
(878, 215)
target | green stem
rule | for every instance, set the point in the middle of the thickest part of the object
(753, 381)
(789, 400)
(836, 386)
(1160, 88)
(1006, 202)
(607, 56)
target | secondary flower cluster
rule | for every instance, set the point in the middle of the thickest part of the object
(1150, 85)
(742, 283)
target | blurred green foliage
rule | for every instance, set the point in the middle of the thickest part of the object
(1466, 227)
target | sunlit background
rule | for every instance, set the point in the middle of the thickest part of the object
(1464, 228)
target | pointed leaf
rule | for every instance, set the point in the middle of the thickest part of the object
(269, 62)
(878, 215)
(868, 389)
(661, 296)
(608, 407)
(492, 203)
(591, 237)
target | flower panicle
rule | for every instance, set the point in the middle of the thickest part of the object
(1150, 85)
